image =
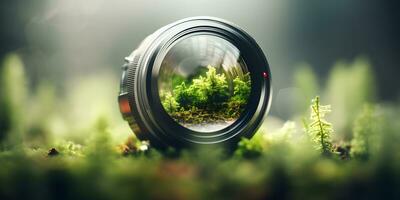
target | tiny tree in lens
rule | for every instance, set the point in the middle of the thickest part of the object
(206, 98)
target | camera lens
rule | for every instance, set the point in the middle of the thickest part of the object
(198, 81)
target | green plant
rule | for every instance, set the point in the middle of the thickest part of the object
(70, 148)
(13, 96)
(250, 148)
(218, 91)
(205, 91)
(207, 98)
(319, 129)
(364, 131)
(170, 104)
(283, 164)
(184, 97)
(241, 89)
(100, 146)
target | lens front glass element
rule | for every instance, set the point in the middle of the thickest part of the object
(204, 83)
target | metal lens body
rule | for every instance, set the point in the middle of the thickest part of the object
(198, 81)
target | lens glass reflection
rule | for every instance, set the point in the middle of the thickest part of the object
(204, 83)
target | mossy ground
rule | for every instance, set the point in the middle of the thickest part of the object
(72, 152)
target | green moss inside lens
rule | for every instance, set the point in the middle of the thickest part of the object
(204, 83)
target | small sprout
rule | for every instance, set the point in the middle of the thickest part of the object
(319, 129)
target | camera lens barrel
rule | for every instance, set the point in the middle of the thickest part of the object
(176, 47)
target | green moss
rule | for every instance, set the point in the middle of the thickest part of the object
(207, 98)
(283, 164)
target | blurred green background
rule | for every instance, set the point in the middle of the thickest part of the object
(67, 39)
(71, 51)
(59, 79)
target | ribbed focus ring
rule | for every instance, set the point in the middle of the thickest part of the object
(131, 85)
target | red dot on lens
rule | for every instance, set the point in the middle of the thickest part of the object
(265, 74)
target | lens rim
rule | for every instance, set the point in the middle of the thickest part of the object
(149, 118)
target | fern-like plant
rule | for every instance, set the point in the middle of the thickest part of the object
(319, 129)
